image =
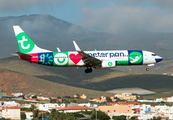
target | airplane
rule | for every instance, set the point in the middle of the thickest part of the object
(30, 52)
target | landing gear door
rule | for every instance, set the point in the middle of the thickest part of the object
(145, 57)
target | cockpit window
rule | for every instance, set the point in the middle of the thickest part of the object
(153, 54)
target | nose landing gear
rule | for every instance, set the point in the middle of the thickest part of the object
(88, 70)
(147, 69)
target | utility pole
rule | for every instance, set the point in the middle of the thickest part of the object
(42, 115)
(96, 114)
(2, 87)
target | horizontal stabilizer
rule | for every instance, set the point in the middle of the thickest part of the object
(23, 54)
(14, 54)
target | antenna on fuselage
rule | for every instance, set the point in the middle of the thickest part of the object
(58, 49)
(130, 70)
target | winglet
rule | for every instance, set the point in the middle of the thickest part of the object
(76, 46)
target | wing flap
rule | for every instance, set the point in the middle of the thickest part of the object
(88, 59)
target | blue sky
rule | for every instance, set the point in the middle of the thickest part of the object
(113, 16)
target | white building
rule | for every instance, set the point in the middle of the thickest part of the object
(29, 115)
(72, 109)
(43, 98)
(146, 116)
(49, 106)
(17, 94)
(103, 97)
(159, 100)
(170, 99)
(164, 109)
(11, 113)
(145, 100)
(26, 105)
(10, 103)
(85, 104)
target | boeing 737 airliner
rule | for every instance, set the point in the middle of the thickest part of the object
(29, 51)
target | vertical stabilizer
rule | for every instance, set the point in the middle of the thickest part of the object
(26, 45)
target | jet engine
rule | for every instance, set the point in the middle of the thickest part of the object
(108, 64)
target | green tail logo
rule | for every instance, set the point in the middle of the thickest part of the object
(25, 44)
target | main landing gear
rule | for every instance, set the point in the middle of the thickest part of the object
(147, 69)
(88, 70)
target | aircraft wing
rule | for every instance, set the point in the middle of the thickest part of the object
(88, 59)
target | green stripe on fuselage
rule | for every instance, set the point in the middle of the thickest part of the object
(122, 62)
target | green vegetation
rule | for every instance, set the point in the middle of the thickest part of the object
(32, 108)
(99, 114)
(119, 100)
(156, 118)
(133, 118)
(108, 99)
(36, 114)
(66, 96)
(54, 115)
(122, 117)
(25, 109)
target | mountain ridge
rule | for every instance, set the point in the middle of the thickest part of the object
(49, 32)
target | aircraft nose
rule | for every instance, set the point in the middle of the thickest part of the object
(158, 59)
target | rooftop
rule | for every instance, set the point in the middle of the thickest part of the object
(75, 108)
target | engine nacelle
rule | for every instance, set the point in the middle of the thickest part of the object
(108, 64)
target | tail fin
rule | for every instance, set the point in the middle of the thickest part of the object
(26, 45)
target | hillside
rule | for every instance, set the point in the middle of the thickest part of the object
(166, 66)
(101, 80)
(17, 82)
(50, 32)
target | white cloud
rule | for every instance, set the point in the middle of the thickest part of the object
(127, 16)
(158, 3)
(17, 5)
(90, 1)
(117, 19)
